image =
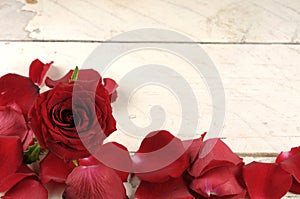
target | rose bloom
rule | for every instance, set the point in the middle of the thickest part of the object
(73, 117)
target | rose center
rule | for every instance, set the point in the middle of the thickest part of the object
(68, 116)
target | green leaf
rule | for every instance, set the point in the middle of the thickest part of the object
(32, 154)
(74, 75)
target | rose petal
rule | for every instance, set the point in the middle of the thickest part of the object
(27, 189)
(213, 154)
(94, 182)
(286, 155)
(290, 162)
(171, 189)
(295, 188)
(11, 180)
(160, 157)
(218, 182)
(193, 147)
(83, 75)
(52, 168)
(38, 71)
(13, 122)
(11, 155)
(111, 86)
(113, 155)
(18, 89)
(266, 180)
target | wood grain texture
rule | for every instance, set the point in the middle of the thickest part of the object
(201, 20)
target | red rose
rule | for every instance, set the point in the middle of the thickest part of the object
(59, 116)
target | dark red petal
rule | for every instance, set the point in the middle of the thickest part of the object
(160, 157)
(18, 89)
(112, 155)
(219, 182)
(11, 155)
(295, 188)
(290, 162)
(52, 168)
(266, 180)
(213, 154)
(193, 147)
(111, 86)
(94, 182)
(27, 189)
(84, 75)
(171, 189)
(38, 71)
(12, 122)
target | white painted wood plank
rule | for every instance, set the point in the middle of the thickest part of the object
(202, 20)
(261, 86)
(13, 20)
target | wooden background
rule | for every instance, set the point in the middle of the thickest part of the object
(254, 44)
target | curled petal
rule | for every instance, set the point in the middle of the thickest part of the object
(18, 89)
(111, 86)
(94, 182)
(27, 189)
(38, 71)
(53, 168)
(160, 157)
(290, 162)
(218, 182)
(83, 74)
(266, 180)
(213, 154)
(171, 189)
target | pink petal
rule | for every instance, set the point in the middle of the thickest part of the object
(218, 182)
(290, 162)
(38, 71)
(13, 122)
(113, 155)
(84, 75)
(111, 86)
(52, 168)
(94, 182)
(213, 154)
(27, 189)
(171, 189)
(18, 89)
(160, 157)
(11, 155)
(266, 180)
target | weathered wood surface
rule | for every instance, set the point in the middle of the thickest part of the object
(253, 44)
(207, 21)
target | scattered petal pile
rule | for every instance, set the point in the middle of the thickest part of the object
(51, 143)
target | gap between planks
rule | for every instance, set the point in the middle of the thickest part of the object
(175, 42)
